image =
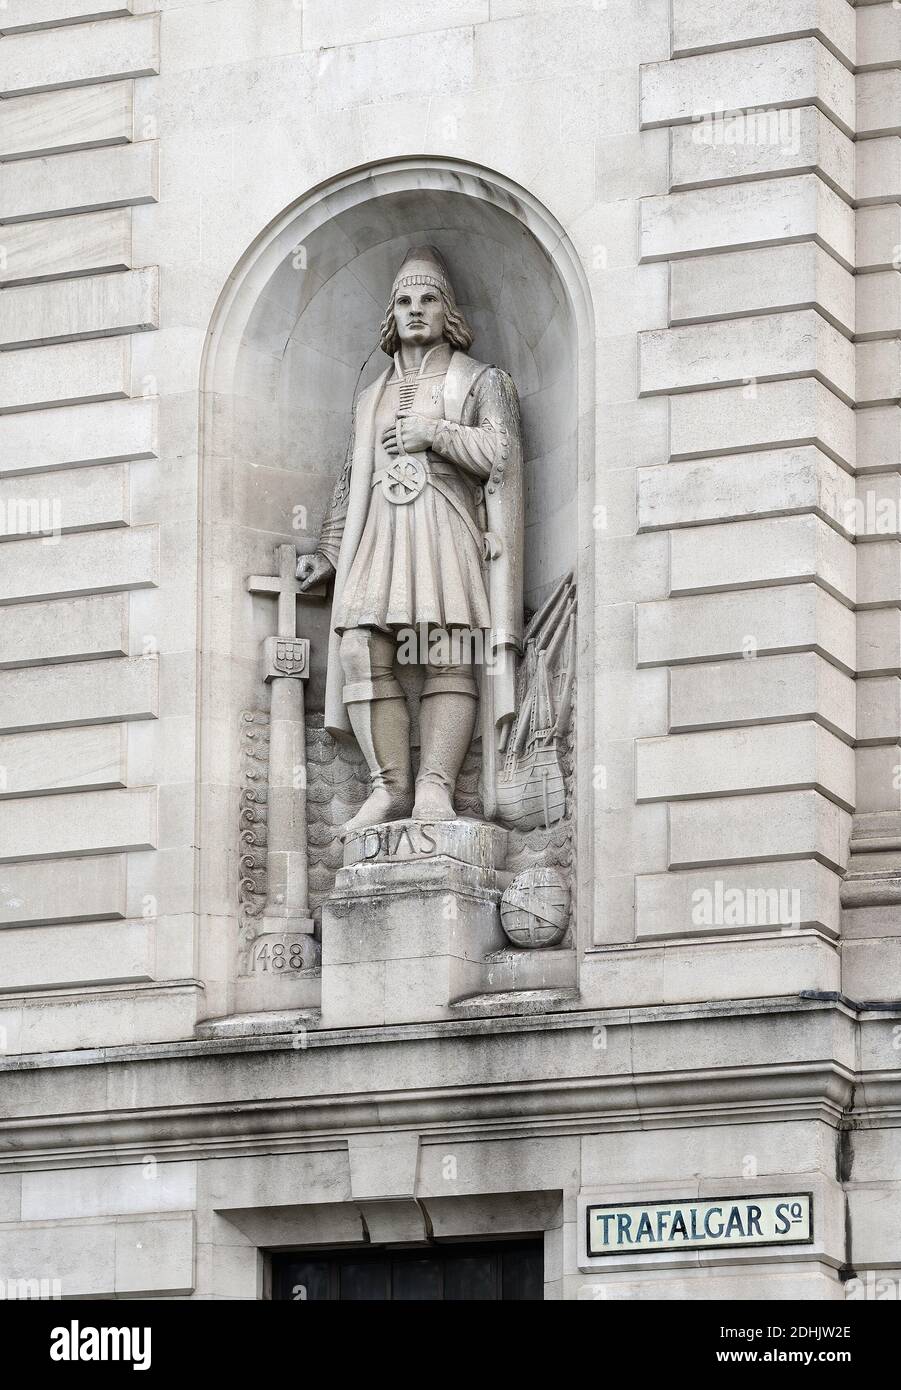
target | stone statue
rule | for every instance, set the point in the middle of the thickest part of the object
(424, 539)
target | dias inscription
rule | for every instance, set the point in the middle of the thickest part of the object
(398, 841)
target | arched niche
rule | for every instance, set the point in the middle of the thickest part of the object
(293, 341)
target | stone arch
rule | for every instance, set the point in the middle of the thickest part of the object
(293, 339)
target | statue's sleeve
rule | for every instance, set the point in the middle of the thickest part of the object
(484, 446)
(333, 526)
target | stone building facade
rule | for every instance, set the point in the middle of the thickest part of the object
(678, 226)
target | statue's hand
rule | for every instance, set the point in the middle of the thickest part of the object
(417, 434)
(314, 569)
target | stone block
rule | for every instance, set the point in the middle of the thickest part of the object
(878, 177)
(64, 374)
(779, 825)
(71, 119)
(711, 627)
(155, 1256)
(879, 373)
(515, 969)
(775, 482)
(42, 14)
(383, 1166)
(64, 629)
(734, 283)
(698, 27)
(879, 103)
(80, 692)
(117, 177)
(734, 216)
(91, 561)
(51, 504)
(71, 957)
(874, 1215)
(98, 241)
(768, 347)
(82, 53)
(70, 1194)
(724, 762)
(106, 432)
(867, 966)
(405, 932)
(62, 760)
(755, 144)
(878, 573)
(878, 303)
(878, 710)
(95, 306)
(755, 897)
(878, 237)
(879, 778)
(739, 554)
(63, 890)
(877, 510)
(776, 74)
(879, 641)
(99, 1016)
(879, 439)
(878, 36)
(96, 822)
(764, 689)
(759, 416)
(327, 25)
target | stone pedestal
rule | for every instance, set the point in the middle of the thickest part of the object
(412, 916)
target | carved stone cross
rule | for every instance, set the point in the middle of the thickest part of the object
(286, 662)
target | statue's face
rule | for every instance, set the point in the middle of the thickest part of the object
(419, 315)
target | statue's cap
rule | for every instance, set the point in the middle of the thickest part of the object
(424, 265)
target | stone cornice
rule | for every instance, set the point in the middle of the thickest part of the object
(197, 1099)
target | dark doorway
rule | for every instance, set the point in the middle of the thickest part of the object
(482, 1273)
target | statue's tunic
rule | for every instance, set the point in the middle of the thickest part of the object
(421, 561)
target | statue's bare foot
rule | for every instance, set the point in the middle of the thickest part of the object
(433, 803)
(381, 806)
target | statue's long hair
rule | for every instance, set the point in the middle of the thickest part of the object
(456, 330)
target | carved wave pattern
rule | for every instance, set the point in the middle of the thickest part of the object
(252, 817)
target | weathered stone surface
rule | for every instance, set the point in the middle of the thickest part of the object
(101, 433)
(797, 824)
(38, 14)
(118, 177)
(89, 307)
(64, 629)
(83, 692)
(90, 562)
(710, 627)
(95, 241)
(740, 215)
(82, 499)
(63, 890)
(731, 761)
(62, 759)
(64, 374)
(698, 27)
(95, 822)
(71, 119)
(760, 416)
(75, 54)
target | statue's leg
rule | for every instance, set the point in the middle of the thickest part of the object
(378, 715)
(447, 717)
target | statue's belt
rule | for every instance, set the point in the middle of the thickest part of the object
(405, 478)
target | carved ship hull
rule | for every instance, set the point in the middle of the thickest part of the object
(533, 793)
